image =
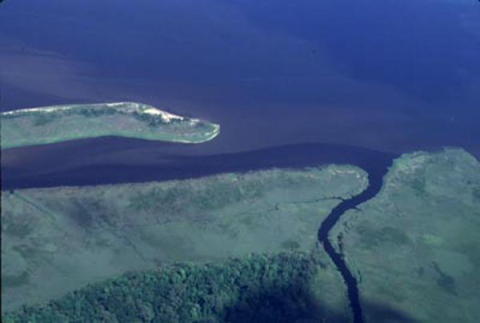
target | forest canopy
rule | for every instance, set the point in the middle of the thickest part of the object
(257, 288)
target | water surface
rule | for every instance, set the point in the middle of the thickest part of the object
(392, 75)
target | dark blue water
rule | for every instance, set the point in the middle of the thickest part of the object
(390, 75)
(168, 166)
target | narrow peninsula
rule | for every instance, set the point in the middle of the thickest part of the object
(45, 125)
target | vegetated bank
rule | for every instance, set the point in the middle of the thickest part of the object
(415, 246)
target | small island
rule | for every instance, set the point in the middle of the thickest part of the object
(45, 125)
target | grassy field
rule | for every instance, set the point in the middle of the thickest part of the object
(125, 119)
(416, 246)
(56, 240)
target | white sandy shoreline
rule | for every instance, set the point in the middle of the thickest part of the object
(128, 107)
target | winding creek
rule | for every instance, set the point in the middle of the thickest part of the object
(173, 166)
(375, 176)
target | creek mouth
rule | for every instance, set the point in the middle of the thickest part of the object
(376, 172)
(174, 167)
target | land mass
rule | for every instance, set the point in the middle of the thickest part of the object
(45, 125)
(415, 247)
(82, 235)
